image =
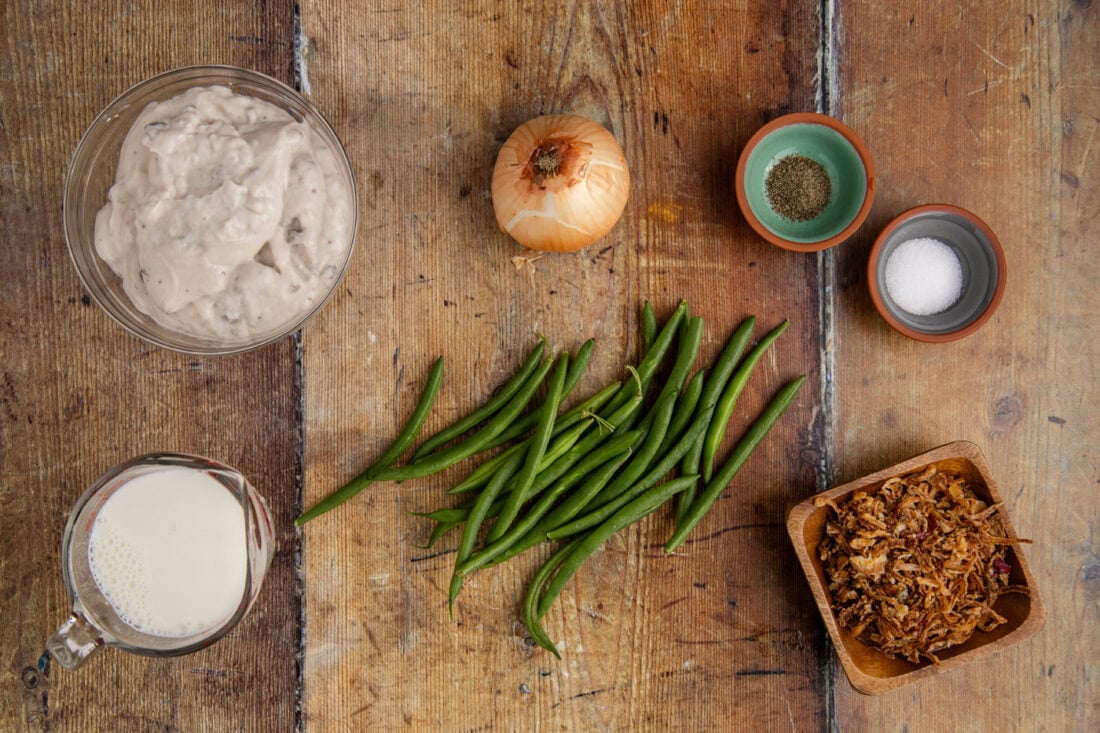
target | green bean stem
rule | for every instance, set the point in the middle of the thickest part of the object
(535, 452)
(724, 408)
(400, 444)
(641, 507)
(729, 469)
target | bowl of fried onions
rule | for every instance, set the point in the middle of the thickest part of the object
(916, 569)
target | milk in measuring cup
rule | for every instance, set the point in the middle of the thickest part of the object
(169, 551)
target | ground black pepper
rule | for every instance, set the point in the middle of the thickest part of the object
(798, 188)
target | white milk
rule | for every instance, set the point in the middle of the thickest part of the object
(169, 551)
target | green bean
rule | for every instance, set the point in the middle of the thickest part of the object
(685, 408)
(564, 511)
(617, 421)
(458, 514)
(616, 448)
(527, 421)
(446, 458)
(473, 522)
(691, 336)
(690, 465)
(620, 445)
(570, 417)
(577, 365)
(726, 363)
(724, 408)
(557, 449)
(712, 390)
(642, 506)
(561, 445)
(656, 354)
(450, 514)
(740, 454)
(645, 454)
(534, 590)
(491, 406)
(649, 326)
(515, 532)
(441, 528)
(691, 333)
(392, 453)
(649, 364)
(481, 475)
(535, 452)
(609, 506)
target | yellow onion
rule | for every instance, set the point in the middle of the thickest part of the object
(560, 183)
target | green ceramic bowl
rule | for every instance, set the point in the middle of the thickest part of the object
(839, 151)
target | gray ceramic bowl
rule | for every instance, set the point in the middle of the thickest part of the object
(983, 271)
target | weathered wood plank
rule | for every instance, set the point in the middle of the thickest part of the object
(79, 395)
(722, 635)
(993, 110)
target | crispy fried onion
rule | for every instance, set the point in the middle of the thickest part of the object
(917, 566)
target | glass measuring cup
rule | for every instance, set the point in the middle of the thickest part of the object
(95, 622)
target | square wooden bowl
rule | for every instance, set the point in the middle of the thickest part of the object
(870, 670)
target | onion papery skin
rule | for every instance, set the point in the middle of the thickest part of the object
(577, 204)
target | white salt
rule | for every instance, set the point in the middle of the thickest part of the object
(923, 276)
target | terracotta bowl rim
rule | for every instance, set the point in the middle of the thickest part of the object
(811, 118)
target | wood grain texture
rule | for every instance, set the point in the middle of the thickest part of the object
(995, 112)
(78, 394)
(721, 635)
(988, 106)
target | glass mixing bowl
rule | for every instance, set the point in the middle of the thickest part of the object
(92, 173)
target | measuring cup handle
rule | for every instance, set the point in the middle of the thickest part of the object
(74, 641)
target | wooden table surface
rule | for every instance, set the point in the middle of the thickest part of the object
(991, 106)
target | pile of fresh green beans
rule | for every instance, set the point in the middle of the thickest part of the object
(583, 474)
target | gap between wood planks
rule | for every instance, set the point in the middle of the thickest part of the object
(827, 96)
(301, 84)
